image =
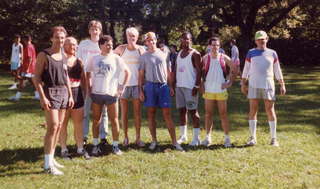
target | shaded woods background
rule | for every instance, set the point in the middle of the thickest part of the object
(293, 25)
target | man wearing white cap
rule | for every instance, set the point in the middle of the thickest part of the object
(261, 65)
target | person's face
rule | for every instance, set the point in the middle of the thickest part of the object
(58, 38)
(106, 47)
(215, 45)
(185, 41)
(17, 40)
(132, 38)
(70, 47)
(94, 31)
(261, 43)
(151, 43)
(161, 47)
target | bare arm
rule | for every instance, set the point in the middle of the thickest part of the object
(119, 50)
(232, 66)
(196, 61)
(141, 82)
(83, 79)
(40, 66)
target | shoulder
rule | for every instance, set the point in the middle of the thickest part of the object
(120, 49)
(84, 42)
(196, 53)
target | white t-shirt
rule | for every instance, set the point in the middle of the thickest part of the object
(105, 72)
(16, 53)
(260, 68)
(86, 50)
(215, 78)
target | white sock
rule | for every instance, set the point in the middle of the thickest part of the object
(115, 143)
(46, 161)
(36, 94)
(226, 137)
(208, 137)
(51, 160)
(273, 129)
(253, 128)
(18, 94)
(79, 150)
(95, 141)
(196, 132)
(183, 130)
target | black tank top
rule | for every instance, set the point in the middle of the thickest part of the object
(55, 73)
(75, 71)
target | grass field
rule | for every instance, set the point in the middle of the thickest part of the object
(295, 164)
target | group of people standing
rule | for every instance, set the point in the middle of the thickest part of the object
(74, 80)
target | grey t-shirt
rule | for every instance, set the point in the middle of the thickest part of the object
(155, 66)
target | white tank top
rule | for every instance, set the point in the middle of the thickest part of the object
(215, 78)
(15, 53)
(185, 72)
(131, 58)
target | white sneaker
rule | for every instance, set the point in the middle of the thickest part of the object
(14, 86)
(182, 139)
(195, 142)
(56, 164)
(227, 143)
(36, 96)
(206, 142)
(178, 147)
(153, 145)
(252, 141)
(96, 151)
(274, 142)
(13, 98)
(116, 150)
(53, 171)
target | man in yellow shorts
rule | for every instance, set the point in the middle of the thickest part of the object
(214, 86)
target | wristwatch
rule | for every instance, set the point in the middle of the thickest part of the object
(197, 86)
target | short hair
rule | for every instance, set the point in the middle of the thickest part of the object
(16, 36)
(151, 35)
(186, 33)
(105, 38)
(215, 38)
(174, 46)
(233, 41)
(71, 38)
(96, 23)
(58, 29)
(132, 30)
(26, 38)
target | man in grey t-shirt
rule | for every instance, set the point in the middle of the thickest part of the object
(155, 71)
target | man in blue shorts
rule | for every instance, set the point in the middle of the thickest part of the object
(154, 74)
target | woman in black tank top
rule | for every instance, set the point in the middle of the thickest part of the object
(77, 81)
(52, 83)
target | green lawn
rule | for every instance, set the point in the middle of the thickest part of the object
(295, 164)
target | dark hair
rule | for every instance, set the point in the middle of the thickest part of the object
(105, 38)
(215, 38)
(186, 33)
(26, 38)
(58, 29)
(17, 36)
(233, 41)
(174, 46)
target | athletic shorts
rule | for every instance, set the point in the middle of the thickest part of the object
(27, 75)
(130, 92)
(256, 93)
(157, 95)
(216, 96)
(184, 99)
(103, 99)
(14, 66)
(57, 96)
(77, 97)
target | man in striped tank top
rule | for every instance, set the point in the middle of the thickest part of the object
(130, 53)
(187, 81)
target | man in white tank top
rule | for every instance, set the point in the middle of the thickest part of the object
(130, 53)
(215, 89)
(187, 81)
(16, 59)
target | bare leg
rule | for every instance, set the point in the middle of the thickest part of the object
(124, 118)
(96, 116)
(137, 118)
(152, 123)
(77, 118)
(209, 106)
(64, 130)
(112, 110)
(222, 107)
(167, 117)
